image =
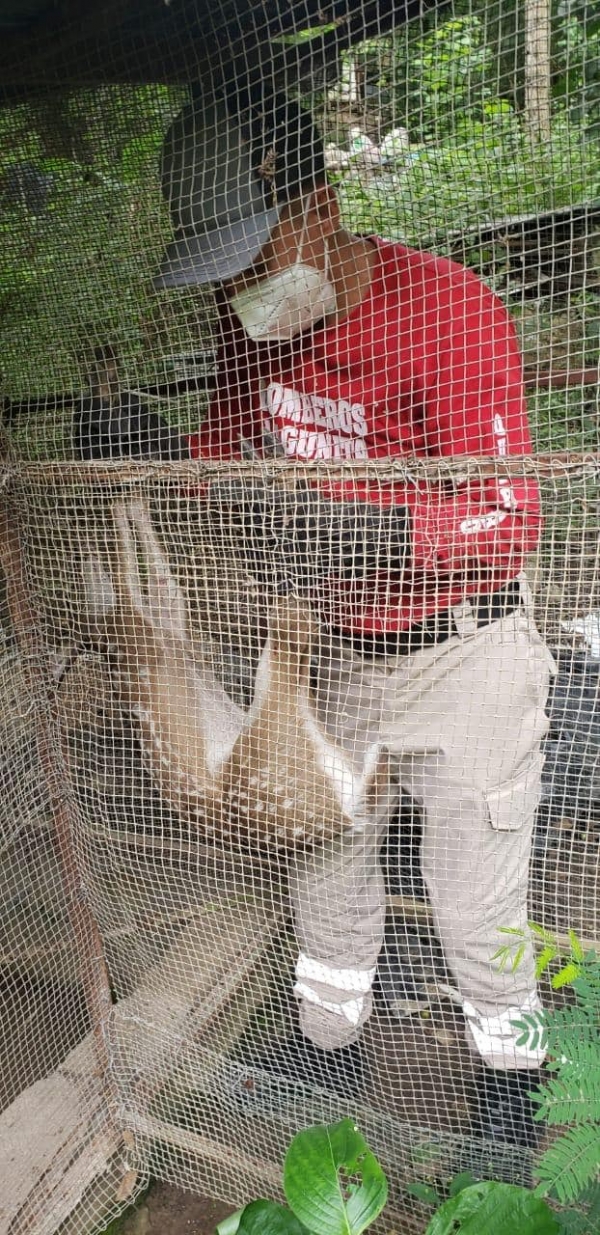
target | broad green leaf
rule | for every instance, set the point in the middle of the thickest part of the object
(332, 1181)
(423, 1192)
(496, 1209)
(269, 1218)
(230, 1225)
(460, 1182)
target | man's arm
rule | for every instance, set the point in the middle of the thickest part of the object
(475, 406)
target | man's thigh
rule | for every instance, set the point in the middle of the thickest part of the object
(478, 703)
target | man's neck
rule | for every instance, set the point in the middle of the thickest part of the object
(353, 262)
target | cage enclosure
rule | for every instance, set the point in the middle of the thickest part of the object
(180, 760)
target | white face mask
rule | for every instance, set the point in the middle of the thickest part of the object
(287, 303)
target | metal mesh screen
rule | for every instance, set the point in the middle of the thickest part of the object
(300, 618)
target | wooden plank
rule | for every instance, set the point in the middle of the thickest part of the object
(212, 958)
(56, 1139)
(53, 1139)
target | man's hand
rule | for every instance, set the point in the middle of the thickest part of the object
(303, 537)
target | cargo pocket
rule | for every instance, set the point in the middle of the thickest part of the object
(514, 803)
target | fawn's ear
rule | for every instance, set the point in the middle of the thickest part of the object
(159, 600)
(99, 593)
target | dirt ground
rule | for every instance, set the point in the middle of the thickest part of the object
(168, 1210)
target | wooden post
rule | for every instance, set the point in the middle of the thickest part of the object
(537, 70)
(88, 942)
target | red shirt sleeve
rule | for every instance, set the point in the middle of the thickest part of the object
(230, 410)
(475, 405)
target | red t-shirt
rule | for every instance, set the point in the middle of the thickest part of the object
(426, 365)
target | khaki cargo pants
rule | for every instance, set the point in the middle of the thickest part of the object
(464, 720)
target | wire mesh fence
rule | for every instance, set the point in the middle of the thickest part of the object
(300, 653)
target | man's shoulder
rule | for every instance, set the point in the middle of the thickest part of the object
(431, 275)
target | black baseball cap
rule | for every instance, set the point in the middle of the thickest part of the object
(226, 177)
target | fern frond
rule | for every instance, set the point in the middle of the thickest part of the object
(579, 1025)
(584, 1218)
(571, 1163)
(573, 1222)
(532, 1030)
(571, 1098)
(587, 985)
(580, 1055)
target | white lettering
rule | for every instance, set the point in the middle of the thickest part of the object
(342, 417)
(320, 416)
(303, 443)
(500, 435)
(274, 398)
(331, 413)
(482, 523)
(359, 422)
(507, 496)
(345, 424)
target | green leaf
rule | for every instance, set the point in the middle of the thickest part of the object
(544, 959)
(460, 1182)
(305, 36)
(566, 975)
(503, 956)
(573, 1097)
(518, 957)
(424, 1192)
(332, 1181)
(269, 1218)
(542, 933)
(496, 1209)
(533, 1031)
(570, 1164)
(230, 1225)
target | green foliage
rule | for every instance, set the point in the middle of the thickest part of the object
(485, 171)
(78, 271)
(497, 1209)
(268, 1218)
(569, 1170)
(347, 1186)
(335, 1186)
(456, 83)
(472, 1206)
(571, 1164)
(451, 65)
(576, 59)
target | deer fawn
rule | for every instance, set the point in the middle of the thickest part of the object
(269, 776)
